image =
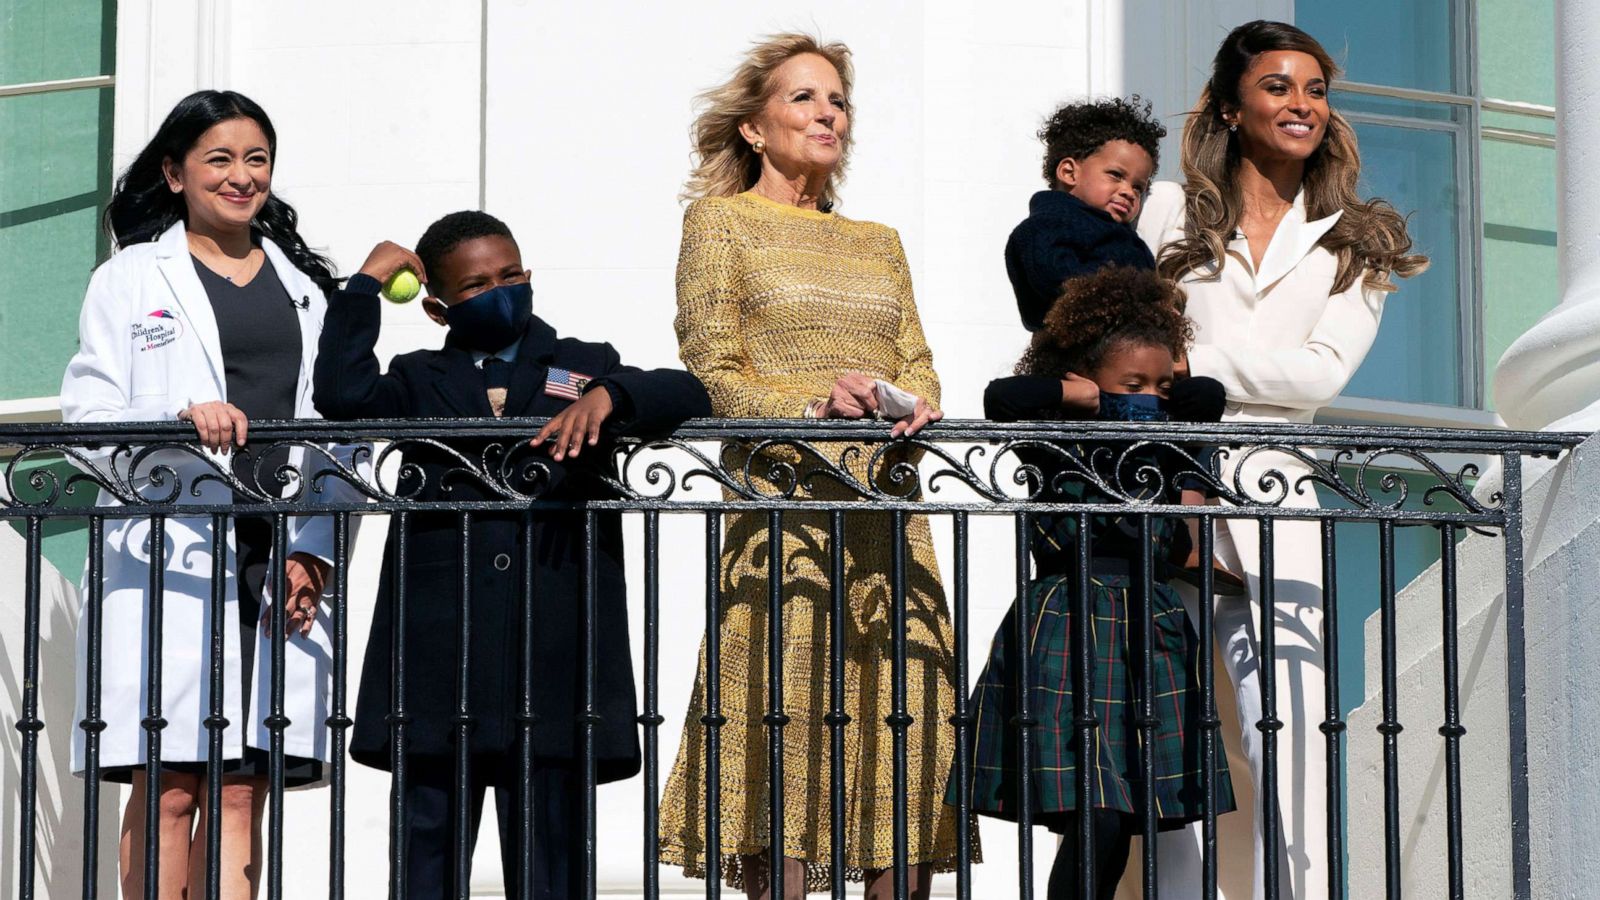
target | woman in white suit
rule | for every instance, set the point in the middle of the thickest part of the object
(1286, 271)
(209, 312)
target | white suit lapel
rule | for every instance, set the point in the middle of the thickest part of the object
(172, 258)
(1294, 238)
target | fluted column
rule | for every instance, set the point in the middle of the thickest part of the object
(1550, 377)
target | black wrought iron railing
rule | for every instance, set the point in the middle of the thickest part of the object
(1263, 474)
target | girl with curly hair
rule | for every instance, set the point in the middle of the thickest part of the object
(1107, 350)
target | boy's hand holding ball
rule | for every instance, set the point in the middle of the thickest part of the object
(402, 286)
(397, 269)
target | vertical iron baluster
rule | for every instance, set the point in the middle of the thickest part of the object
(1209, 723)
(837, 717)
(1024, 721)
(1390, 726)
(775, 719)
(463, 716)
(1516, 678)
(29, 723)
(962, 720)
(338, 720)
(526, 798)
(1147, 705)
(398, 717)
(591, 716)
(651, 718)
(1452, 729)
(277, 721)
(899, 719)
(216, 722)
(1083, 712)
(713, 719)
(1269, 724)
(153, 721)
(1333, 726)
(92, 723)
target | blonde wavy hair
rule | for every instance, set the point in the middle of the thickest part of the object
(1370, 237)
(724, 162)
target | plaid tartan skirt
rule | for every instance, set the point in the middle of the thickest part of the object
(1115, 778)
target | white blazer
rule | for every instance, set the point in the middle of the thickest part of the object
(1280, 341)
(147, 349)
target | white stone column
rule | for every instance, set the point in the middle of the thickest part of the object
(1550, 377)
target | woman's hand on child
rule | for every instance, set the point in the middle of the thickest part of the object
(1078, 392)
(854, 396)
(570, 429)
(388, 258)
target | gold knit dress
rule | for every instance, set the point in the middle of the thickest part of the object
(774, 303)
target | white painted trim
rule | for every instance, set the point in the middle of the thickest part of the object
(1518, 107)
(51, 87)
(1362, 411)
(31, 409)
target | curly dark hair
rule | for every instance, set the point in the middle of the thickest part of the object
(1077, 130)
(1097, 313)
(455, 229)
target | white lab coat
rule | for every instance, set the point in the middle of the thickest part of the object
(1283, 344)
(149, 348)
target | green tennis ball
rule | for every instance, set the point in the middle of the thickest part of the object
(402, 287)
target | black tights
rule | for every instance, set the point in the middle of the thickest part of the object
(1113, 835)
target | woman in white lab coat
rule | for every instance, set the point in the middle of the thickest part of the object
(208, 312)
(1286, 270)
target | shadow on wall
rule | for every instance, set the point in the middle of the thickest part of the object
(59, 822)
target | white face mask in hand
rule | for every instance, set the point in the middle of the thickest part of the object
(894, 403)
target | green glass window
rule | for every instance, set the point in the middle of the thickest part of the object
(55, 176)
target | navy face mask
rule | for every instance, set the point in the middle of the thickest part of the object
(1133, 407)
(493, 319)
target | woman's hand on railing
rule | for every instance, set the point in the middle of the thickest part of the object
(854, 396)
(925, 414)
(220, 425)
(307, 577)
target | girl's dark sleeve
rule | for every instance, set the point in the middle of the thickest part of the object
(1197, 399)
(1021, 397)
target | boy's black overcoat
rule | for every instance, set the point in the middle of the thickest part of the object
(446, 383)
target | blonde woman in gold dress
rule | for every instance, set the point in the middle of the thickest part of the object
(788, 309)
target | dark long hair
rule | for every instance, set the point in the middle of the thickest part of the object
(142, 207)
(1369, 238)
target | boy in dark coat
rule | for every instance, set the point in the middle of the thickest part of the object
(1099, 158)
(498, 359)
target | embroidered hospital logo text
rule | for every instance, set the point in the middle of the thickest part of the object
(157, 329)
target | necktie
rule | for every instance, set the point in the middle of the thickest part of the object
(496, 378)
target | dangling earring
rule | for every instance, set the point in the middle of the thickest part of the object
(1234, 127)
(759, 145)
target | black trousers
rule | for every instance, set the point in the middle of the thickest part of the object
(558, 831)
(1113, 836)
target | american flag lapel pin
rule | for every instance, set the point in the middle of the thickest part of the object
(565, 384)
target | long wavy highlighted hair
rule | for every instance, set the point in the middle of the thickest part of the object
(724, 162)
(1370, 237)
